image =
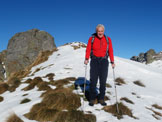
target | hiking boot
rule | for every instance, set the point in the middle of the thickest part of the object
(102, 102)
(91, 103)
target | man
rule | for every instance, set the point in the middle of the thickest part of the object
(99, 50)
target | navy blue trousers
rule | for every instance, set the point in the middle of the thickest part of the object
(98, 69)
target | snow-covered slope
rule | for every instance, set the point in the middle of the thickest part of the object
(157, 64)
(67, 62)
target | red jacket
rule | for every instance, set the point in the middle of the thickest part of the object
(99, 48)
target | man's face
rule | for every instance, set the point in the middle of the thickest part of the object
(100, 32)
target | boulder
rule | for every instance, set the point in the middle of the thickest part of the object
(24, 47)
(147, 57)
(150, 56)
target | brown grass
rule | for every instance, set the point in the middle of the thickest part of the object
(28, 80)
(43, 86)
(46, 114)
(26, 100)
(155, 112)
(14, 118)
(61, 99)
(123, 110)
(34, 111)
(108, 85)
(60, 83)
(42, 57)
(1, 98)
(13, 83)
(71, 78)
(156, 117)
(74, 116)
(3, 87)
(127, 100)
(33, 83)
(139, 83)
(37, 70)
(157, 106)
(53, 102)
(106, 98)
(133, 93)
(50, 76)
(119, 81)
(24, 94)
(79, 46)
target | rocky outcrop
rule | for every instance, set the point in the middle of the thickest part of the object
(2, 64)
(24, 47)
(147, 57)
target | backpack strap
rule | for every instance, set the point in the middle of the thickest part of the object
(106, 56)
(93, 38)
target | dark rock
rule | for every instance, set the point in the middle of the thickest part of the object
(24, 47)
(147, 57)
(150, 56)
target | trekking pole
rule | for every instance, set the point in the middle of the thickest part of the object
(85, 80)
(117, 107)
(84, 84)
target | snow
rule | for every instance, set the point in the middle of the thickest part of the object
(67, 62)
(157, 64)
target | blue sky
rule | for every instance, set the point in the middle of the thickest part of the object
(133, 25)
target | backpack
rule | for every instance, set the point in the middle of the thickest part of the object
(93, 38)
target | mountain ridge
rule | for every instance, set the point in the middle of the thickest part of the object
(69, 62)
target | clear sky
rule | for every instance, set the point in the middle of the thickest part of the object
(133, 25)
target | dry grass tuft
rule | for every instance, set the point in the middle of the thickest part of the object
(157, 106)
(26, 100)
(108, 85)
(3, 87)
(60, 83)
(139, 83)
(106, 98)
(74, 116)
(24, 94)
(119, 81)
(28, 80)
(43, 86)
(29, 87)
(156, 117)
(33, 83)
(1, 98)
(156, 114)
(123, 110)
(37, 70)
(42, 57)
(46, 114)
(127, 100)
(50, 76)
(21, 74)
(14, 118)
(133, 93)
(53, 102)
(34, 111)
(62, 99)
(13, 83)
(71, 78)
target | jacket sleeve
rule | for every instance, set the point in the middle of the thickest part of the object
(111, 51)
(88, 49)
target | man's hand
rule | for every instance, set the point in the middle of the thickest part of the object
(113, 65)
(86, 62)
